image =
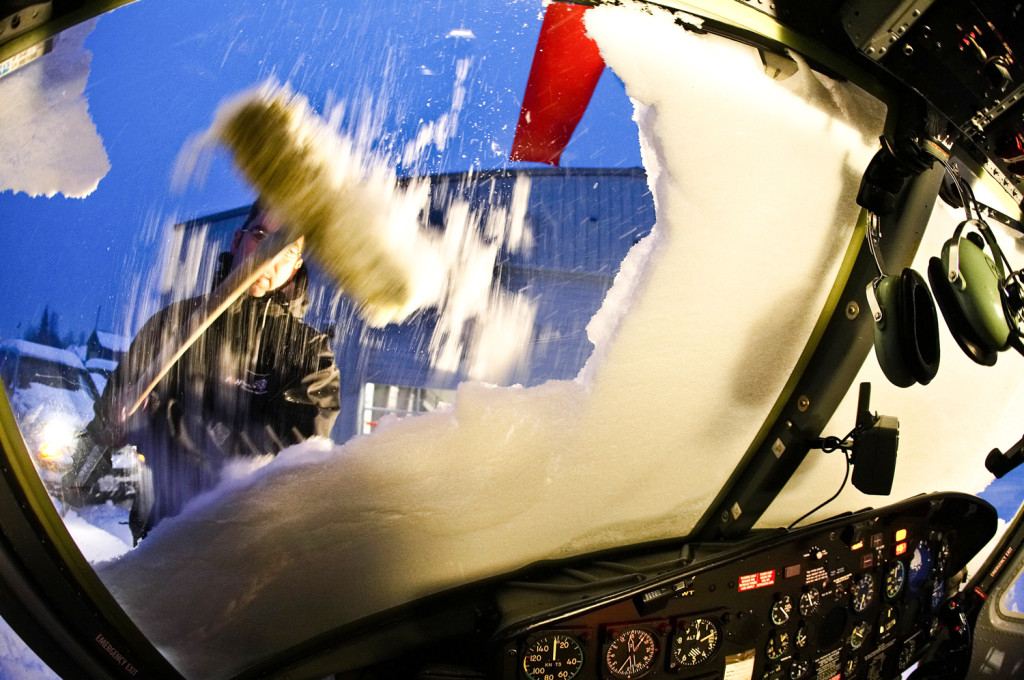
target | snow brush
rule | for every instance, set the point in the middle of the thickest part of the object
(358, 225)
(315, 182)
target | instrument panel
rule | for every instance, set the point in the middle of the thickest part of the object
(855, 597)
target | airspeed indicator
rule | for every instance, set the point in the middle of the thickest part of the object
(553, 656)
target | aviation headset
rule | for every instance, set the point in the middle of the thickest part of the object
(982, 305)
(980, 296)
(906, 327)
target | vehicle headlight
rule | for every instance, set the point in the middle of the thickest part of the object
(57, 442)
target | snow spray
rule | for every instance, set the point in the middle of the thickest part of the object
(366, 230)
(346, 204)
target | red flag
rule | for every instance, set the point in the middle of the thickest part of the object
(566, 68)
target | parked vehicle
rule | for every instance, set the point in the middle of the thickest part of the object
(52, 395)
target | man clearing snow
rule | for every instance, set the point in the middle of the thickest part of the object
(257, 380)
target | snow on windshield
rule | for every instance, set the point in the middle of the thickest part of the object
(44, 109)
(695, 341)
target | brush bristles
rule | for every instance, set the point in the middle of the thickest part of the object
(313, 181)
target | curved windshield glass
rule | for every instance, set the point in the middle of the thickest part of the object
(389, 297)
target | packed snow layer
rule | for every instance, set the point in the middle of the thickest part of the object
(44, 110)
(100, 531)
(754, 183)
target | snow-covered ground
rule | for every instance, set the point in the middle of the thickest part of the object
(100, 531)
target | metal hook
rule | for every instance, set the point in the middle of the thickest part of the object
(873, 234)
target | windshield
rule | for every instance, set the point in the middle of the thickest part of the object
(524, 322)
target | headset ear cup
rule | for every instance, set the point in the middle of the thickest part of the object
(966, 337)
(980, 294)
(887, 333)
(919, 327)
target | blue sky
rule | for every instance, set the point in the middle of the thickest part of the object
(160, 69)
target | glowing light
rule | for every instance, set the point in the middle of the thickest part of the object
(901, 535)
(901, 548)
(58, 438)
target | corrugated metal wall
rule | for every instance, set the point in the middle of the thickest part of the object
(583, 222)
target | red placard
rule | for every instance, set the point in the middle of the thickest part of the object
(761, 579)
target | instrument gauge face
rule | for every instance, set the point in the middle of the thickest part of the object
(863, 591)
(631, 654)
(887, 622)
(802, 636)
(799, 669)
(894, 578)
(858, 635)
(920, 566)
(810, 600)
(778, 645)
(781, 609)
(695, 642)
(553, 655)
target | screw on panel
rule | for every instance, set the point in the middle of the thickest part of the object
(803, 403)
(852, 310)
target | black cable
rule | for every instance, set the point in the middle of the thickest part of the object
(842, 486)
(828, 445)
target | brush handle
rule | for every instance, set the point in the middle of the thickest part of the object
(244, 274)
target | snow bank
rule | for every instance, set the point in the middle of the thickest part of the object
(100, 531)
(44, 352)
(686, 369)
(43, 107)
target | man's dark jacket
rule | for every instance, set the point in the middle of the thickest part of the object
(257, 380)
